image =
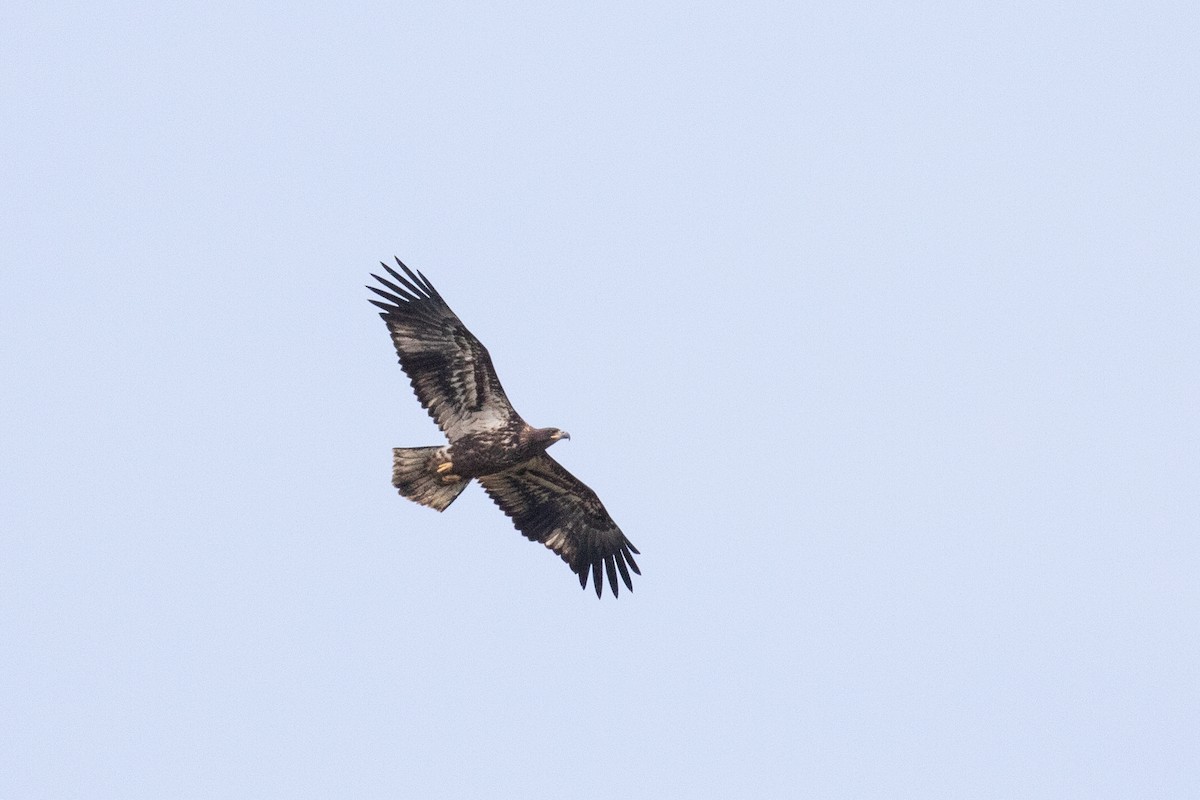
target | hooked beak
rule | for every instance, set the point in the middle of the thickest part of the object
(562, 435)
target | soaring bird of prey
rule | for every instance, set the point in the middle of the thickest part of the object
(455, 381)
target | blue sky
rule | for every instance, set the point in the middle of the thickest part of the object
(874, 327)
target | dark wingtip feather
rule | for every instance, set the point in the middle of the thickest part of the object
(429, 286)
(411, 275)
(410, 292)
(612, 575)
(583, 576)
(398, 302)
(408, 296)
(629, 557)
(624, 571)
(597, 578)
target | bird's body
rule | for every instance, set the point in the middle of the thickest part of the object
(478, 454)
(453, 377)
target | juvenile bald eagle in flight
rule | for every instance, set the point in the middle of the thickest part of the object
(453, 377)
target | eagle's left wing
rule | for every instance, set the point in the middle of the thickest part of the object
(552, 506)
(449, 368)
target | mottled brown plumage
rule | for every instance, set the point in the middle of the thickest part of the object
(452, 375)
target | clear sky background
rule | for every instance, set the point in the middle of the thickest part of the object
(875, 327)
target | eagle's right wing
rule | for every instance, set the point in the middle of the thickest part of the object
(450, 370)
(552, 506)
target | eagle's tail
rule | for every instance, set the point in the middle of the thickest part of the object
(414, 473)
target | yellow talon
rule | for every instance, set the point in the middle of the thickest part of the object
(445, 467)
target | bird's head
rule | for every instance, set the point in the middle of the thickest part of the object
(551, 435)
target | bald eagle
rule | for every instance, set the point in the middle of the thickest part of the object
(453, 377)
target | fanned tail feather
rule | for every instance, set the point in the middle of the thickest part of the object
(414, 473)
